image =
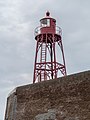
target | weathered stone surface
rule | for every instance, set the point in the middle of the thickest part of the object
(66, 98)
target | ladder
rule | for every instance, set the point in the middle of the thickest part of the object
(43, 61)
(43, 53)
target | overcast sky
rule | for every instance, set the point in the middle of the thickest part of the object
(19, 18)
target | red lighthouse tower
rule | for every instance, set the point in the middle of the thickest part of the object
(48, 38)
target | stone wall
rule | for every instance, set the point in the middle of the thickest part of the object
(65, 98)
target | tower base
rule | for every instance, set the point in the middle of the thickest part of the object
(67, 98)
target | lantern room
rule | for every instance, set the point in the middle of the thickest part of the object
(47, 24)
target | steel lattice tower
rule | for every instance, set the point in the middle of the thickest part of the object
(48, 37)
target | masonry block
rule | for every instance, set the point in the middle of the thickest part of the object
(65, 98)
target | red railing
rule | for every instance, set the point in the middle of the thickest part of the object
(38, 31)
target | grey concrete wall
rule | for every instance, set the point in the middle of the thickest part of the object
(66, 98)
